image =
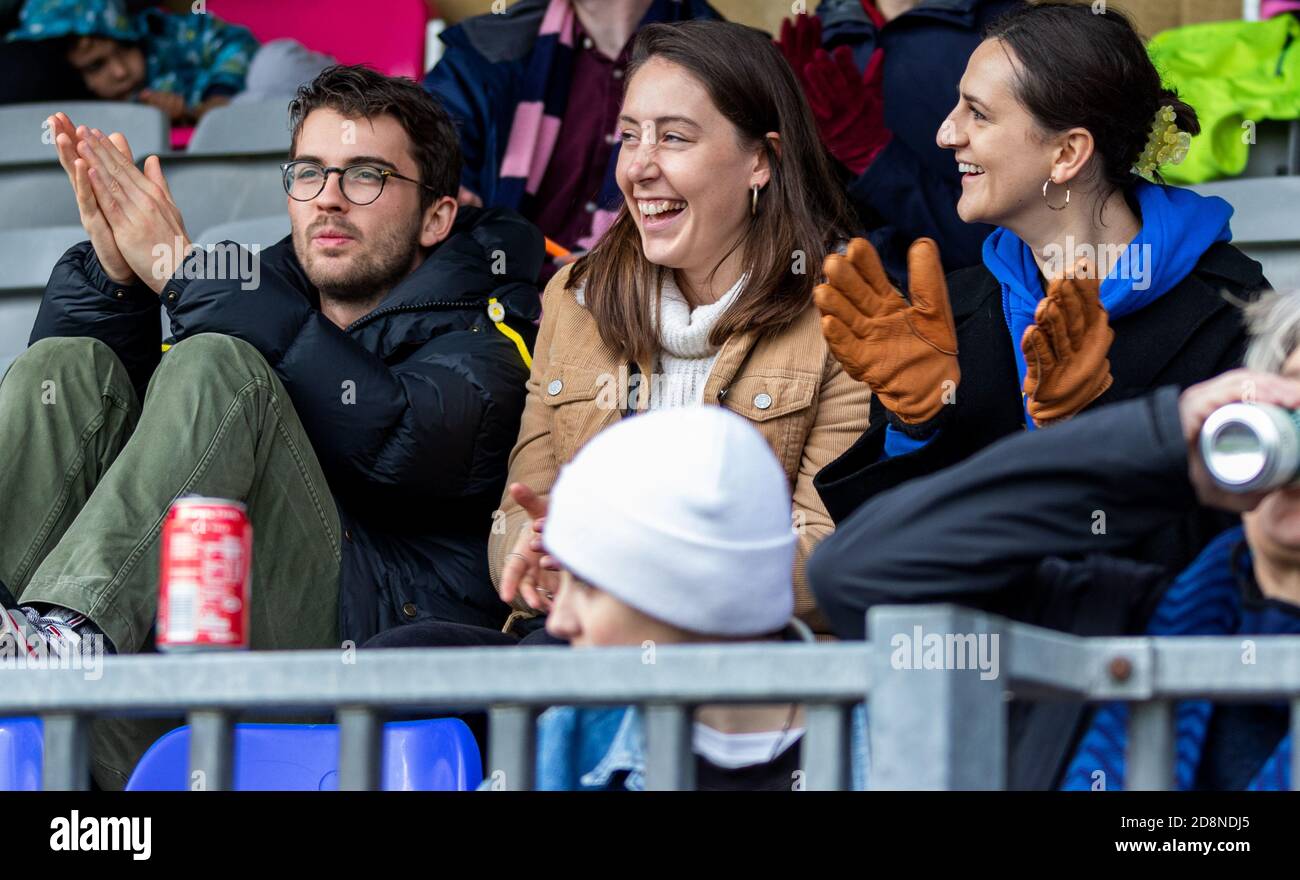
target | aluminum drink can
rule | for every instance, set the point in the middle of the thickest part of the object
(1252, 447)
(203, 595)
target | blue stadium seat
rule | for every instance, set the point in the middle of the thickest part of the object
(21, 748)
(432, 755)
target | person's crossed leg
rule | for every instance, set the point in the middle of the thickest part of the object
(91, 474)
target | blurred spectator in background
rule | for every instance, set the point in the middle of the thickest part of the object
(881, 78)
(700, 552)
(536, 92)
(1008, 532)
(1054, 151)
(36, 71)
(184, 64)
(878, 96)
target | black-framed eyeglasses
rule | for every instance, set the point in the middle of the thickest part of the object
(304, 180)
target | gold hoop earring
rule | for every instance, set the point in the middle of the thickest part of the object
(753, 200)
(1049, 204)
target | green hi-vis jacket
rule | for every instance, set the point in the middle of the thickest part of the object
(1236, 74)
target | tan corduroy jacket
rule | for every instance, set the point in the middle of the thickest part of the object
(789, 386)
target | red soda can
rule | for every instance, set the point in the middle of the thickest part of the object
(207, 555)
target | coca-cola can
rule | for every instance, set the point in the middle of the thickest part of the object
(207, 556)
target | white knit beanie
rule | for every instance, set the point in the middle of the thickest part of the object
(684, 514)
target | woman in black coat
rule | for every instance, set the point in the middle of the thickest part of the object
(1049, 148)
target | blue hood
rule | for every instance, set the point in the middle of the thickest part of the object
(1178, 227)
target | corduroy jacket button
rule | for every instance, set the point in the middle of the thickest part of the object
(555, 387)
(762, 400)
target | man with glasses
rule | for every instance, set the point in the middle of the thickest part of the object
(360, 396)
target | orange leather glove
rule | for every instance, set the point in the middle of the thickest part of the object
(906, 352)
(1066, 348)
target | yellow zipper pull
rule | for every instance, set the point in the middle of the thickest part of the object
(497, 313)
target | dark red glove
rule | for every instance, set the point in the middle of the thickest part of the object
(801, 37)
(849, 109)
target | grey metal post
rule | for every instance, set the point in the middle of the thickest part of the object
(1293, 148)
(361, 743)
(1295, 741)
(212, 750)
(512, 734)
(826, 748)
(670, 758)
(937, 715)
(1150, 755)
(66, 764)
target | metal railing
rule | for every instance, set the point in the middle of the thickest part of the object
(930, 728)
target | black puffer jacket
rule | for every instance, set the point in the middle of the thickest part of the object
(416, 455)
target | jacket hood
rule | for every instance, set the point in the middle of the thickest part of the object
(52, 19)
(1178, 227)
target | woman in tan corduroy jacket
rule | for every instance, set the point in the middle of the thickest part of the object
(700, 293)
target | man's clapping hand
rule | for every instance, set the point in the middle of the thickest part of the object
(128, 213)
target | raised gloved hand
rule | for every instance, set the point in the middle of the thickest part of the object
(849, 107)
(906, 352)
(801, 37)
(1066, 348)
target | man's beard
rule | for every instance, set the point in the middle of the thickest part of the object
(380, 263)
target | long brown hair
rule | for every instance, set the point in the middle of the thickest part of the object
(802, 211)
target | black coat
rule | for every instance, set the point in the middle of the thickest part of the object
(1010, 532)
(1191, 333)
(416, 459)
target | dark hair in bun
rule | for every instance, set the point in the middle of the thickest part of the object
(1080, 68)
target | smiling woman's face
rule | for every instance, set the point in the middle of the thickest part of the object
(682, 170)
(999, 149)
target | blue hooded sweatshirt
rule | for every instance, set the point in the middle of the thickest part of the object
(1178, 227)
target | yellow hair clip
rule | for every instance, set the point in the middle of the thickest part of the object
(1166, 145)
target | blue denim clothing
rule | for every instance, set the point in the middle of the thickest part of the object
(582, 749)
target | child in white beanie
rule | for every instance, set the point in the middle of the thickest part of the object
(701, 551)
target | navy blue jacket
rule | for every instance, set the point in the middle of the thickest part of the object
(479, 79)
(911, 189)
(417, 461)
